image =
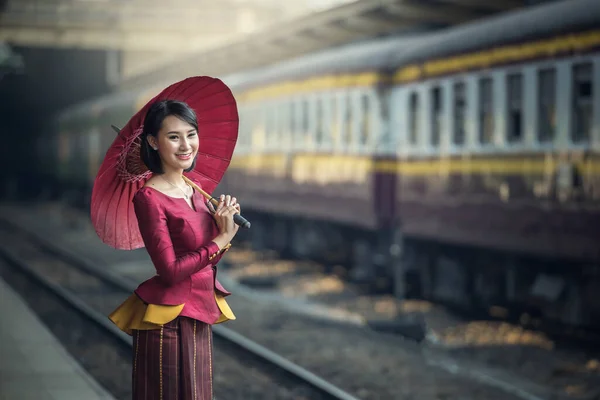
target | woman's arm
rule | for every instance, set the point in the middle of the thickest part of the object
(152, 222)
(215, 260)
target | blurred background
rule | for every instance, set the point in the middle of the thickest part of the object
(421, 152)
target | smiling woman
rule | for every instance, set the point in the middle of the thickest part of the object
(170, 315)
(170, 138)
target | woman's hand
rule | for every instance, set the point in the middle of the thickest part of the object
(223, 214)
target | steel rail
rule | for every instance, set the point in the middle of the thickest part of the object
(74, 260)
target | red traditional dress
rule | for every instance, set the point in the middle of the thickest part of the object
(170, 315)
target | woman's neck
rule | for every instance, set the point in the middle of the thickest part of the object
(173, 176)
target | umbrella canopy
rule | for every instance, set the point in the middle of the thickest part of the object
(123, 172)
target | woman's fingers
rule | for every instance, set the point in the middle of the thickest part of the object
(231, 210)
(227, 205)
(211, 208)
(234, 204)
(225, 211)
(221, 203)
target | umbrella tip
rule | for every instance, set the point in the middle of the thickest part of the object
(116, 129)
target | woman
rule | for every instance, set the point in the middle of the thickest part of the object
(170, 315)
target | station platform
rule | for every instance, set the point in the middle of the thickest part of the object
(33, 364)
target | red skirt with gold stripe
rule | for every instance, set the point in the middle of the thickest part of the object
(173, 362)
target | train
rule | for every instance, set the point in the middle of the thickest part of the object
(459, 165)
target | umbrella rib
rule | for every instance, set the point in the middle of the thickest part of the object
(106, 212)
(174, 87)
(226, 90)
(165, 95)
(107, 170)
(117, 212)
(207, 177)
(203, 87)
(101, 204)
(213, 156)
(130, 237)
(219, 106)
(183, 88)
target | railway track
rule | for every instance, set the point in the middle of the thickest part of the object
(73, 298)
(395, 368)
(532, 362)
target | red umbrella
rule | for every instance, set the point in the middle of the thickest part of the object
(122, 172)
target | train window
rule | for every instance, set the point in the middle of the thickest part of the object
(460, 108)
(275, 127)
(283, 123)
(546, 105)
(292, 118)
(347, 120)
(486, 111)
(335, 126)
(269, 126)
(305, 116)
(247, 123)
(514, 97)
(303, 136)
(413, 118)
(436, 115)
(366, 120)
(582, 103)
(259, 131)
(319, 121)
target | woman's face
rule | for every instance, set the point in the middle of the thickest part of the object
(177, 143)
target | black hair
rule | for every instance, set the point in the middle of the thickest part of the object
(155, 116)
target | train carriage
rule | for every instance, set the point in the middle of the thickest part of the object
(306, 148)
(499, 151)
(475, 150)
(460, 165)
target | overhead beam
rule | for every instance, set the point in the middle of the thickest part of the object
(90, 39)
(503, 5)
(332, 33)
(110, 22)
(78, 12)
(372, 25)
(304, 38)
(438, 14)
(357, 20)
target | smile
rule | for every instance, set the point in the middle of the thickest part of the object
(184, 156)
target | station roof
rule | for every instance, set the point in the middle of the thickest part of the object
(358, 20)
(132, 25)
(155, 26)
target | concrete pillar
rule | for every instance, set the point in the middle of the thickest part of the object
(113, 67)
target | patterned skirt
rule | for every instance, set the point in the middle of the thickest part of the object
(173, 362)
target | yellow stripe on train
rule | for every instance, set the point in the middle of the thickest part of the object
(576, 42)
(327, 168)
(501, 55)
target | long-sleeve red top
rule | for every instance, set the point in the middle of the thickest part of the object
(179, 242)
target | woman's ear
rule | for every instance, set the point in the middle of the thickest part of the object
(152, 141)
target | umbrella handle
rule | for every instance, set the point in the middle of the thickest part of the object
(237, 218)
